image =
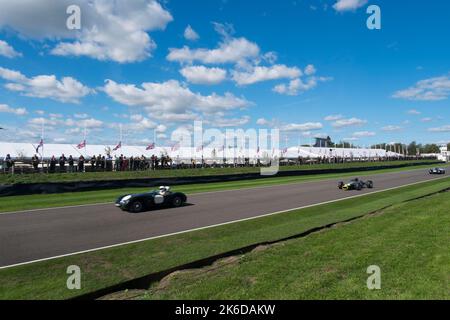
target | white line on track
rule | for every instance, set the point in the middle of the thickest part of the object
(215, 225)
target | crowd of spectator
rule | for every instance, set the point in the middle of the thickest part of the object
(102, 163)
(94, 163)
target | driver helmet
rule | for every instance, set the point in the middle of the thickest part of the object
(163, 189)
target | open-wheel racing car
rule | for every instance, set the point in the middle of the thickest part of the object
(163, 197)
(355, 184)
(437, 171)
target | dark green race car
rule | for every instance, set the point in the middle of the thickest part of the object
(150, 200)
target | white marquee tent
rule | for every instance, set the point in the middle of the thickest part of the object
(27, 150)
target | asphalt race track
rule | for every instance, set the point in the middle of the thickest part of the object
(27, 236)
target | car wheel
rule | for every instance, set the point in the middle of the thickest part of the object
(136, 206)
(369, 184)
(177, 202)
(340, 185)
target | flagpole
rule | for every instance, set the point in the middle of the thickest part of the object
(42, 138)
(120, 137)
(85, 144)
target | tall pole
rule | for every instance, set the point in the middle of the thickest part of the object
(84, 141)
(42, 139)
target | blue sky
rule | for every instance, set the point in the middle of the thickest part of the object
(310, 68)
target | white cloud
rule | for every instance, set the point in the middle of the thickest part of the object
(12, 75)
(426, 119)
(7, 51)
(310, 70)
(333, 117)
(391, 128)
(80, 115)
(161, 128)
(17, 111)
(432, 89)
(341, 123)
(190, 34)
(262, 122)
(67, 89)
(413, 111)
(90, 123)
(144, 124)
(230, 50)
(203, 75)
(170, 100)
(268, 123)
(52, 122)
(319, 135)
(141, 123)
(104, 23)
(161, 136)
(362, 134)
(37, 122)
(175, 117)
(296, 86)
(235, 50)
(302, 126)
(347, 5)
(135, 117)
(270, 57)
(445, 128)
(262, 73)
(233, 122)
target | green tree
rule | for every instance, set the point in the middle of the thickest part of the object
(431, 148)
(412, 148)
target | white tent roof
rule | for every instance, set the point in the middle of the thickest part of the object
(27, 150)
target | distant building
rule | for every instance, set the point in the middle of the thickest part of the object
(323, 142)
(445, 154)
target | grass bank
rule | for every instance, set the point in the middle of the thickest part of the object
(100, 269)
(408, 241)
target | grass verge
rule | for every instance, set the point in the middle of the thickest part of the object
(6, 179)
(408, 241)
(100, 269)
(39, 201)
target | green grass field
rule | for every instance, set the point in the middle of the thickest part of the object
(100, 269)
(409, 242)
(90, 176)
(28, 202)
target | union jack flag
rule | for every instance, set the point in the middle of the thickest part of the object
(176, 146)
(150, 146)
(40, 145)
(118, 146)
(81, 145)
